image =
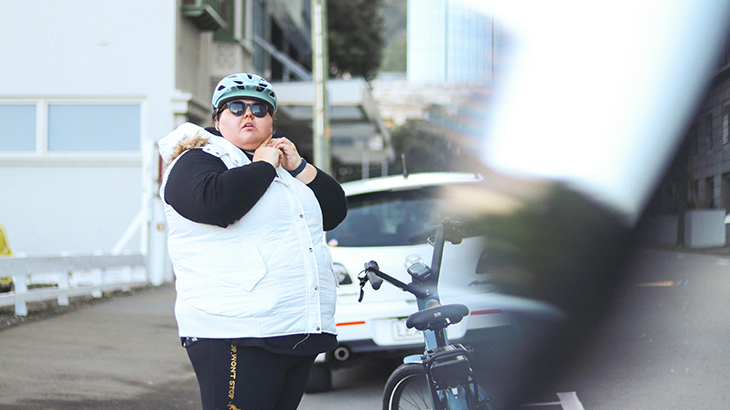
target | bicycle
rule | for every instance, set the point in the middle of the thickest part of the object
(443, 377)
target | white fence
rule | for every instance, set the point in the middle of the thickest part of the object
(61, 277)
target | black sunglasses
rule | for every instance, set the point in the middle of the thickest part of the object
(238, 108)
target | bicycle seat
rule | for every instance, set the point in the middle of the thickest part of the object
(435, 318)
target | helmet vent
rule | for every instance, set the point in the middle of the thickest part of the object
(238, 82)
(221, 87)
(241, 87)
(260, 89)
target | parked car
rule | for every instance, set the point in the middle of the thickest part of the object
(386, 222)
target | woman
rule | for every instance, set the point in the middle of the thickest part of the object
(255, 286)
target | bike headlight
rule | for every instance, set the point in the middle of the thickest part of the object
(412, 259)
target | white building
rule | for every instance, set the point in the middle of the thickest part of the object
(448, 42)
(89, 87)
(450, 61)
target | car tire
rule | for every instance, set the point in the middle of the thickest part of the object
(320, 379)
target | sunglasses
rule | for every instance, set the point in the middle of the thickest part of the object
(238, 108)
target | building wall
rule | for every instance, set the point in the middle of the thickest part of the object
(141, 58)
(448, 42)
(83, 53)
(709, 146)
(193, 57)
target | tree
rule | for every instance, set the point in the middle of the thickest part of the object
(355, 37)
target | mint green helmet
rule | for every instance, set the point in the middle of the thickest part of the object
(244, 85)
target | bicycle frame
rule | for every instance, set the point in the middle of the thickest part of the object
(440, 357)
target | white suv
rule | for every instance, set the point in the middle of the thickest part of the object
(384, 220)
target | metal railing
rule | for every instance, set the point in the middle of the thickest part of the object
(60, 277)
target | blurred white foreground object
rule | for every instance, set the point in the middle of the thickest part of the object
(598, 94)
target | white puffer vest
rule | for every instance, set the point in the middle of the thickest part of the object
(268, 274)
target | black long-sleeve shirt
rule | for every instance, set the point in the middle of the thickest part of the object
(201, 188)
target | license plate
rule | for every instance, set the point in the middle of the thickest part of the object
(401, 332)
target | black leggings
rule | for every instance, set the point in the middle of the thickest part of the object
(241, 378)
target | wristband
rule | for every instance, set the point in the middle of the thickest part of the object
(299, 169)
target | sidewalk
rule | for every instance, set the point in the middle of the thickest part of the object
(122, 354)
(722, 250)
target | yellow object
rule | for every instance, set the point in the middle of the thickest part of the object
(4, 244)
(6, 284)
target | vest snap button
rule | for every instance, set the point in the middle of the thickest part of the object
(316, 288)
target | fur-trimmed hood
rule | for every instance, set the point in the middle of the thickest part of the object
(186, 136)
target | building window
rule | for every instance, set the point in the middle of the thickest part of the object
(93, 127)
(708, 131)
(710, 192)
(227, 11)
(53, 126)
(693, 195)
(725, 125)
(18, 129)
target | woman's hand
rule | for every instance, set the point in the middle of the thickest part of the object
(290, 156)
(291, 159)
(268, 153)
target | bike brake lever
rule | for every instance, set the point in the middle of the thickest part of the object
(375, 280)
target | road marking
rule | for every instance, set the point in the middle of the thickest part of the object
(568, 401)
(662, 283)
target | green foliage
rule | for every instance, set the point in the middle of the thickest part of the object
(396, 37)
(394, 55)
(355, 37)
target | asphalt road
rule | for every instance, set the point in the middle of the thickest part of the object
(665, 347)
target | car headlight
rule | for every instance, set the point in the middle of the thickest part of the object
(343, 278)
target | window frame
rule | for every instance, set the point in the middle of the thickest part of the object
(725, 123)
(43, 154)
(707, 123)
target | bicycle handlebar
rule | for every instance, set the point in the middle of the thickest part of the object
(447, 231)
(371, 268)
(376, 278)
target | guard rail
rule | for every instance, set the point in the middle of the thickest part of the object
(60, 277)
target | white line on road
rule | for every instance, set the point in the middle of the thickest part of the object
(569, 401)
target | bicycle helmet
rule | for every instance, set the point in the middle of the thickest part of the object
(244, 85)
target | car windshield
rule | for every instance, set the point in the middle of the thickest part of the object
(393, 218)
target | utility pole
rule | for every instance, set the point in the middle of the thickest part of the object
(320, 72)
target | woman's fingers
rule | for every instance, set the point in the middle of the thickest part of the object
(291, 158)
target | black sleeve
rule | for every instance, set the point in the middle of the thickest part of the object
(331, 197)
(201, 188)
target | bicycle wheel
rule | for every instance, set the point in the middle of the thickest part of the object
(407, 388)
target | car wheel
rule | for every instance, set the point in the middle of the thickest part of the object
(320, 379)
